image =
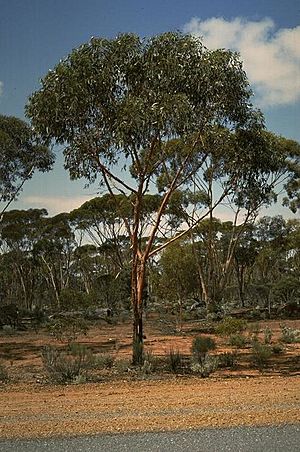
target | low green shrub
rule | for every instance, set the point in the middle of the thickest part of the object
(174, 360)
(4, 377)
(237, 340)
(103, 361)
(289, 335)
(148, 366)
(278, 349)
(227, 360)
(230, 326)
(201, 362)
(201, 345)
(152, 360)
(254, 328)
(67, 329)
(261, 354)
(206, 366)
(67, 366)
(268, 334)
(122, 365)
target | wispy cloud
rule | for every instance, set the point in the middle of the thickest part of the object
(271, 57)
(55, 204)
(1, 88)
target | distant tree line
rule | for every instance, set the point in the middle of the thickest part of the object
(81, 260)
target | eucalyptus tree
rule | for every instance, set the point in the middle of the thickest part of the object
(276, 268)
(100, 220)
(147, 116)
(20, 231)
(54, 249)
(21, 154)
(245, 254)
(178, 277)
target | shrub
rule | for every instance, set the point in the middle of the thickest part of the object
(207, 365)
(230, 326)
(289, 335)
(147, 367)
(68, 328)
(261, 354)
(201, 346)
(254, 328)
(202, 363)
(122, 365)
(277, 349)
(174, 360)
(103, 361)
(70, 365)
(3, 373)
(268, 334)
(152, 360)
(227, 360)
(237, 340)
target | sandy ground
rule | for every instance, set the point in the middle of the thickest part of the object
(148, 406)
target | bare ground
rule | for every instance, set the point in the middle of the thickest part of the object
(31, 407)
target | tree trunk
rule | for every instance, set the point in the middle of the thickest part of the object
(137, 286)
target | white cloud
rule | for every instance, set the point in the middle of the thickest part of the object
(1, 88)
(55, 204)
(271, 58)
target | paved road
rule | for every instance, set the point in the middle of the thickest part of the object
(244, 439)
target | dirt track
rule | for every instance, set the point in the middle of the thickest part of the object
(183, 403)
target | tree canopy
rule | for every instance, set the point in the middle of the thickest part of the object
(21, 154)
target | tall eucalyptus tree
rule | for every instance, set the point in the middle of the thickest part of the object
(148, 116)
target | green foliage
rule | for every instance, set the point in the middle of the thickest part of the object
(237, 340)
(21, 154)
(174, 360)
(286, 289)
(68, 328)
(178, 273)
(67, 366)
(289, 335)
(151, 362)
(227, 360)
(122, 365)
(230, 326)
(268, 334)
(72, 299)
(201, 346)
(206, 366)
(254, 328)
(261, 354)
(4, 376)
(104, 361)
(278, 349)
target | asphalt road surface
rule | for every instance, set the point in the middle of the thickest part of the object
(244, 439)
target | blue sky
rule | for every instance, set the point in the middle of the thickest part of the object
(36, 34)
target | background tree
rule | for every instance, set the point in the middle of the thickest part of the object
(21, 154)
(168, 112)
(20, 231)
(177, 277)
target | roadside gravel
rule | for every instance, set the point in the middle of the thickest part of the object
(141, 406)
